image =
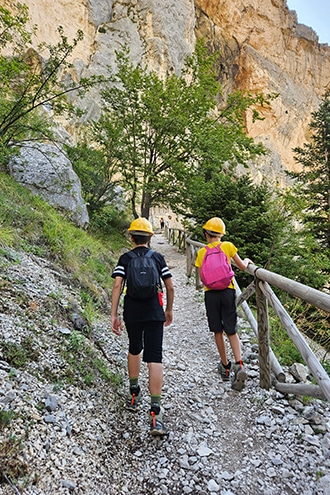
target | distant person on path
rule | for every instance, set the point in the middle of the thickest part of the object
(221, 305)
(162, 223)
(144, 320)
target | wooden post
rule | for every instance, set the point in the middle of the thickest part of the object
(311, 360)
(183, 241)
(188, 259)
(263, 337)
(244, 296)
(275, 365)
(198, 280)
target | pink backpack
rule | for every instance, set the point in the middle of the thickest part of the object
(216, 272)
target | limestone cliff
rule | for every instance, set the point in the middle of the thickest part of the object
(263, 49)
(266, 50)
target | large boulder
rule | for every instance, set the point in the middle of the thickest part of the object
(46, 170)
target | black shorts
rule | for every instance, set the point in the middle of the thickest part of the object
(221, 310)
(146, 335)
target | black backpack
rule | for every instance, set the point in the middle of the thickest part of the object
(142, 277)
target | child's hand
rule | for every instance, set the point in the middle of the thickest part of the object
(169, 318)
(116, 325)
(247, 261)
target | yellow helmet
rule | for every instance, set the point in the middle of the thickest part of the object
(215, 226)
(140, 226)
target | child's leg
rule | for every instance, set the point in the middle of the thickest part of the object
(134, 365)
(153, 356)
(155, 378)
(236, 347)
(221, 345)
(134, 397)
(240, 375)
(153, 346)
(134, 331)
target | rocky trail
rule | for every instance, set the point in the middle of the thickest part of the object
(81, 441)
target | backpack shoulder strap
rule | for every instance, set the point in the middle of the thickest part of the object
(131, 254)
(148, 254)
(209, 249)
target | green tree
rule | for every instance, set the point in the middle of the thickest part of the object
(314, 178)
(96, 174)
(296, 253)
(261, 222)
(105, 200)
(244, 207)
(165, 128)
(300, 256)
(34, 84)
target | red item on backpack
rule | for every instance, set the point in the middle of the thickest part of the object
(216, 272)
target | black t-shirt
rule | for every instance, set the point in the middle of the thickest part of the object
(142, 309)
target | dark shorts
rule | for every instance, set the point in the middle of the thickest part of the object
(146, 336)
(221, 310)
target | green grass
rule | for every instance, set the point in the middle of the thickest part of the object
(83, 362)
(28, 223)
(6, 417)
(12, 464)
(18, 355)
(283, 347)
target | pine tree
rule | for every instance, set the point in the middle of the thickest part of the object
(314, 178)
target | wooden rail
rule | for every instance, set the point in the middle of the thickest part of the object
(263, 279)
(176, 237)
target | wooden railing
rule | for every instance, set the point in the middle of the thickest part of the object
(176, 237)
(261, 286)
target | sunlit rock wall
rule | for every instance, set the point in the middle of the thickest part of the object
(263, 49)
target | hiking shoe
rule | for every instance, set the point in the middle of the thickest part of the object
(224, 371)
(239, 377)
(134, 398)
(157, 427)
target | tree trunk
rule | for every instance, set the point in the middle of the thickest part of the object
(133, 203)
(145, 204)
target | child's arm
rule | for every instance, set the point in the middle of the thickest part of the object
(169, 301)
(241, 264)
(116, 291)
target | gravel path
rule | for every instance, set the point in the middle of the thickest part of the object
(220, 441)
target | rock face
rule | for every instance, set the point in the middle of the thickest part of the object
(263, 49)
(266, 50)
(47, 171)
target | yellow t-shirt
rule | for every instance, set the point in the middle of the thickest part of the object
(227, 247)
